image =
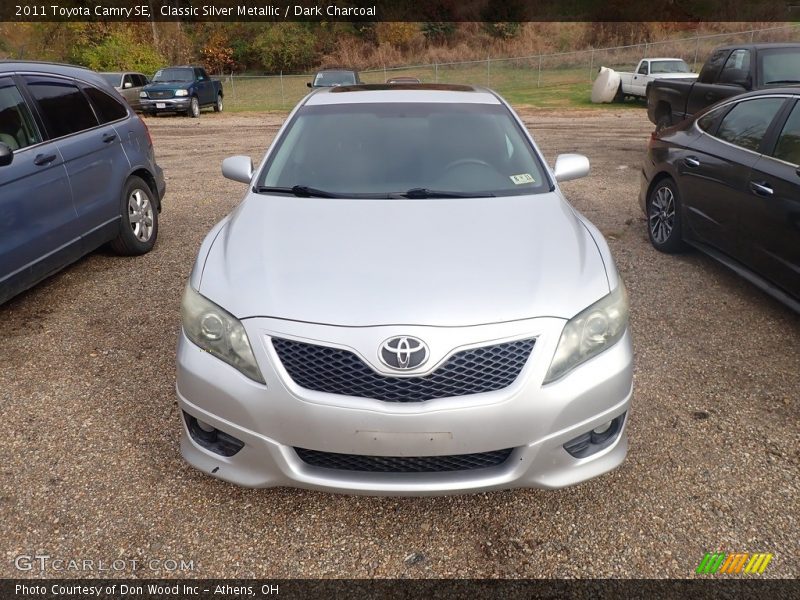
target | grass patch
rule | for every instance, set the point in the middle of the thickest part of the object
(521, 85)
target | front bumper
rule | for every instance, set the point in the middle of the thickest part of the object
(535, 420)
(149, 105)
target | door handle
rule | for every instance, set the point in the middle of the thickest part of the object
(691, 161)
(43, 159)
(710, 96)
(761, 189)
(109, 137)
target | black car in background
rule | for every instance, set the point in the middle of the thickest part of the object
(729, 71)
(728, 183)
(334, 77)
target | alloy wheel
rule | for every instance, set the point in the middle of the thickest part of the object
(140, 215)
(662, 215)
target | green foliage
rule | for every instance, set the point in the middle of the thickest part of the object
(118, 52)
(285, 47)
(397, 34)
(437, 32)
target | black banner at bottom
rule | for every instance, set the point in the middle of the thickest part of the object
(232, 589)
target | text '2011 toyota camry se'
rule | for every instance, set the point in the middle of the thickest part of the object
(404, 303)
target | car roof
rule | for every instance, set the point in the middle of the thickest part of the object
(784, 90)
(49, 68)
(765, 46)
(402, 92)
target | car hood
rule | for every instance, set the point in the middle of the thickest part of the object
(166, 87)
(412, 262)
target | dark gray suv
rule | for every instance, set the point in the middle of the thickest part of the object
(77, 170)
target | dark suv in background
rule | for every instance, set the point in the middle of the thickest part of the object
(77, 170)
(334, 78)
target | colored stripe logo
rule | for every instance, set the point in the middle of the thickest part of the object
(735, 563)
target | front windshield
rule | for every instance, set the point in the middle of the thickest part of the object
(779, 66)
(114, 79)
(668, 66)
(385, 149)
(174, 75)
(332, 78)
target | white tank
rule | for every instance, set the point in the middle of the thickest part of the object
(605, 86)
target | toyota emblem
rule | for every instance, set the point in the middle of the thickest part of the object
(403, 353)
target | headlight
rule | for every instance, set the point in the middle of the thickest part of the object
(219, 333)
(142, 94)
(181, 92)
(590, 332)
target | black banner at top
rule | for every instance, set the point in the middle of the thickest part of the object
(400, 10)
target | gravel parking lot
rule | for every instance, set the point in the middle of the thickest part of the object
(91, 464)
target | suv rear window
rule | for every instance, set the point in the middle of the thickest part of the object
(63, 106)
(106, 107)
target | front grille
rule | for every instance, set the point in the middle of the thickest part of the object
(337, 371)
(161, 95)
(403, 464)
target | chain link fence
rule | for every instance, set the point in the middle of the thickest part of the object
(541, 79)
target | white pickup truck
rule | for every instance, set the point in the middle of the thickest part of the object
(649, 69)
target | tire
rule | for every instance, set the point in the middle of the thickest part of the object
(218, 105)
(619, 96)
(138, 227)
(194, 108)
(664, 227)
(663, 122)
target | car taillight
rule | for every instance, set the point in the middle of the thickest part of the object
(652, 141)
(147, 131)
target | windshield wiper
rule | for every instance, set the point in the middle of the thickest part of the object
(783, 81)
(421, 193)
(302, 191)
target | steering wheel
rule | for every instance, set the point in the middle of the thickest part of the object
(468, 161)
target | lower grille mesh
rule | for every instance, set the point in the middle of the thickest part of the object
(337, 371)
(403, 464)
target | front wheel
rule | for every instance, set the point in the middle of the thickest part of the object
(194, 108)
(664, 217)
(138, 227)
(218, 105)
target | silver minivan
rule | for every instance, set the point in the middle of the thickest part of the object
(129, 84)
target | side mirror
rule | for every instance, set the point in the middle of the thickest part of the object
(571, 166)
(6, 155)
(127, 85)
(238, 168)
(308, 84)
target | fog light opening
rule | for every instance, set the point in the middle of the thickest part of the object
(210, 438)
(595, 440)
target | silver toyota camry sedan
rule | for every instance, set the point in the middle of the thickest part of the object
(404, 303)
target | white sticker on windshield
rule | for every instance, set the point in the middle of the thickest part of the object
(522, 178)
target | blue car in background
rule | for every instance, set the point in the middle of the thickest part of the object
(77, 170)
